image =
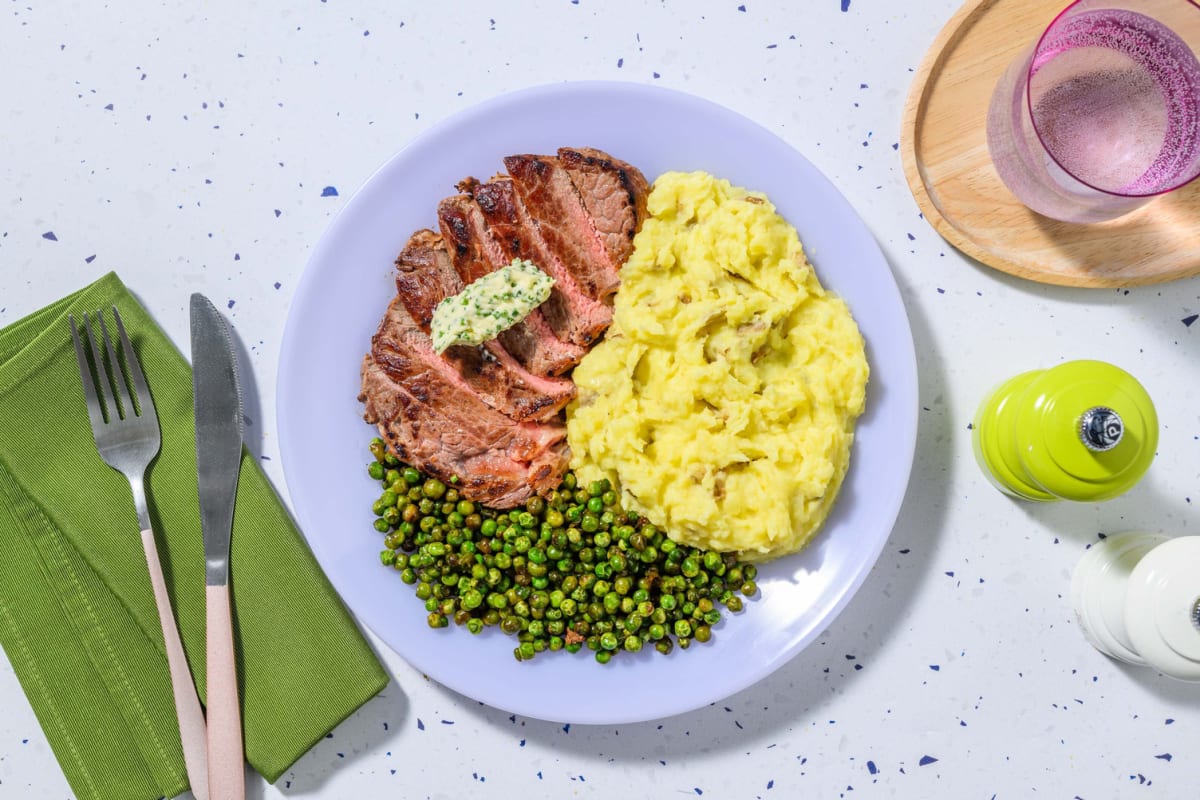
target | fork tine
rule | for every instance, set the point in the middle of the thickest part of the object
(102, 384)
(141, 392)
(95, 412)
(124, 407)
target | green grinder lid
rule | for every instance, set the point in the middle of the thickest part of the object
(1087, 432)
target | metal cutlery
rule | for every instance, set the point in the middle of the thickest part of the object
(126, 430)
(218, 404)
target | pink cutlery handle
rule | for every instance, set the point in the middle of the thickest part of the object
(192, 734)
(226, 773)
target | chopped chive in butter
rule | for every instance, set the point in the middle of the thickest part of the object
(490, 305)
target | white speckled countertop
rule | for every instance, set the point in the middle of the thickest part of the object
(206, 147)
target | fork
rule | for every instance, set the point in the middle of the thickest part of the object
(127, 435)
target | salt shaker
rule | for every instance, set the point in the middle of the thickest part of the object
(1137, 599)
(1083, 430)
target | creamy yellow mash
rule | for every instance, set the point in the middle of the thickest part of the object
(723, 399)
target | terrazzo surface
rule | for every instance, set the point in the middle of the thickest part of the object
(205, 147)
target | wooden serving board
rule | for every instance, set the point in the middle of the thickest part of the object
(944, 147)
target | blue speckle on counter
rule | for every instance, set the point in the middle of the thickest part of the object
(845, 5)
(771, 784)
(697, 790)
(522, 743)
(539, 774)
(329, 191)
(50, 235)
(1168, 721)
(871, 768)
(231, 302)
(1189, 320)
(447, 722)
(108, 107)
(277, 213)
(278, 284)
(90, 258)
(620, 63)
(935, 667)
(566, 728)
(656, 75)
(742, 9)
(926, 760)
(1164, 756)
(420, 724)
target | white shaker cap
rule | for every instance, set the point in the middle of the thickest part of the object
(1162, 608)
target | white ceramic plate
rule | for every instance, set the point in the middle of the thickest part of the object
(341, 299)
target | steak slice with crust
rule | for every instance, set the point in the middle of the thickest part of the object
(498, 381)
(614, 194)
(532, 341)
(546, 192)
(446, 432)
(424, 276)
(570, 312)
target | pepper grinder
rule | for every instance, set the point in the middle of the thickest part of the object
(1137, 599)
(1083, 430)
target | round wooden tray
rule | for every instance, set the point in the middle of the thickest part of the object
(944, 146)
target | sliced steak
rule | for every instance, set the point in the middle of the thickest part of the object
(499, 382)
(446, 432)
(614, 194)
(474, 252)
(546, 192)
(424, 276)
(570, 312)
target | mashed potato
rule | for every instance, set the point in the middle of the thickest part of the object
(722, 401)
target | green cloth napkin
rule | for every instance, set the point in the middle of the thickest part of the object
(77, 614)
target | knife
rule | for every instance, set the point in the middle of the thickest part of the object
(218, 401)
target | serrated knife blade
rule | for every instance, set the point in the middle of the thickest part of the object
(218, 403)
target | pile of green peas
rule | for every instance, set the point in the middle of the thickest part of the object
(568, 570)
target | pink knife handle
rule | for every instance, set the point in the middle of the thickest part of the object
(226, 773)
(192, 733)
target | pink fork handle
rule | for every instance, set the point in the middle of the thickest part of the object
(226, 773)
(192, 734)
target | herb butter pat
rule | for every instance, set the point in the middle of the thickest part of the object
(490, 305)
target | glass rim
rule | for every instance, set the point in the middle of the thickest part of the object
(1041, 140)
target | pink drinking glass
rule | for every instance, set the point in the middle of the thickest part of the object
(1103, 113)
